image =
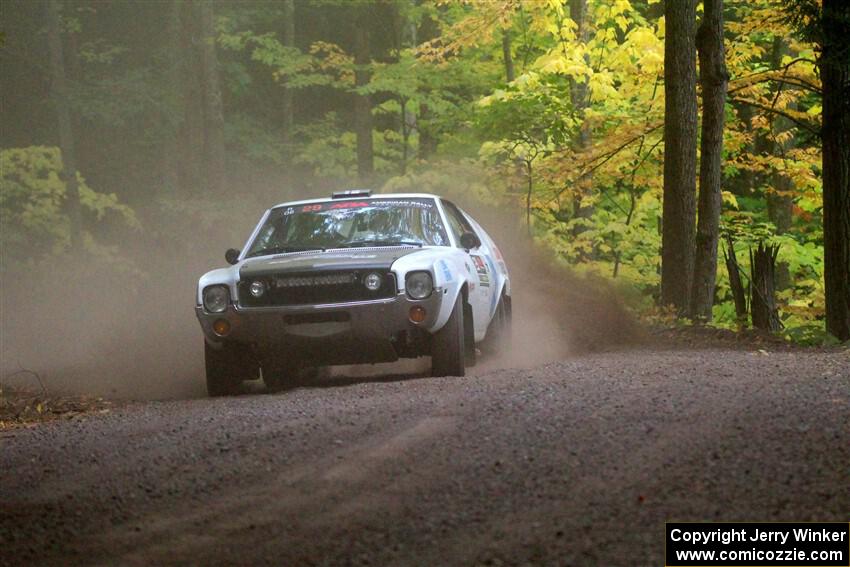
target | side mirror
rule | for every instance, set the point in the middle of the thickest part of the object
(470, 240)
(232, 256)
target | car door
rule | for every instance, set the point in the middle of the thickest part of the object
(482, 281)
(499, 282)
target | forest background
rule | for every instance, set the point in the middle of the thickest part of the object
(184, 119)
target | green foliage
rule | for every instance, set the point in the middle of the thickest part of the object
(254, 141)
(459, 179)
(331, 151)
(591, 169)
(599, 207)
(32, 199)
(531, 117)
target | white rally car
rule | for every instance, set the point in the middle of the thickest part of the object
(353, 279)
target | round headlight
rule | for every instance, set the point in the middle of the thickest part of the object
(419, 285)
(257, 288)
(372, 282)
(216, 298)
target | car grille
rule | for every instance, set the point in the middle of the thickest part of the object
(315, 288)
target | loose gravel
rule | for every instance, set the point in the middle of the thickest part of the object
(577, 462)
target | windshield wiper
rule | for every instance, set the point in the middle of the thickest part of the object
(283, 250)
(380, 242)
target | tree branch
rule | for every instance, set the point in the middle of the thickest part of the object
(795, 81)
(800, 123)
(608, 156)
(784, 68)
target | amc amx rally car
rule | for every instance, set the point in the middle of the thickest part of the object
(353, 279)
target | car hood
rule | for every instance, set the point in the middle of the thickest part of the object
(348, 259)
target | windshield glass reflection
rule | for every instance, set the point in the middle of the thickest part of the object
(351, 224)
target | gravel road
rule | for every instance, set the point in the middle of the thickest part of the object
(577, 462)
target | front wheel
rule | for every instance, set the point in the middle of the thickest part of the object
(447, 345)
(278, 378)
(225, 368)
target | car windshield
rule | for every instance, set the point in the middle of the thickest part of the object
(350, 224)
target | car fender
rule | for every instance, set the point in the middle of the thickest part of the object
(502, 276)
(222, 276)
(448, 267)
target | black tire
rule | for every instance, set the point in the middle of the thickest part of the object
(279, 378)
(309, 373)
(499, 334)
(447, 345)
(225, 368)
(470, 354)
(274, 380)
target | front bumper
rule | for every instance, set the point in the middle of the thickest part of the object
(340, 333)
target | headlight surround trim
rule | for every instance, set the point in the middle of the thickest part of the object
(419, 284)
(216, 298)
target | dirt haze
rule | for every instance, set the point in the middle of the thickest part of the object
(96, 327)
(557, 313)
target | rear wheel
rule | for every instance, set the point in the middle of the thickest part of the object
(447, 346)
(499, 333)
(225, 368)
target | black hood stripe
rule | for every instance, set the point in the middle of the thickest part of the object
(332, 260)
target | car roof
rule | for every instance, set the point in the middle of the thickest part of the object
(371, 197)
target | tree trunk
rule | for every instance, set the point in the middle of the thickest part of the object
(59, 92)
(192, 125)
(530, 189)
(172, 116)
(680, 126)
(408, 120)
(779, 203)
(713, 79)
(427, 139)
(74, 78)
(506, 55)
(363, 102)
(763, 288)
(288, 101)
(580, 101)
(214, 157)
(738, 292)
(744, 182)
(427, 31)
(778, 197)
(401, 27)
(834, 66)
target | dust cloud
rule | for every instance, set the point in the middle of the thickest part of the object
(84, 329)
(90, 326)
(119, 326)
(556, 313)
